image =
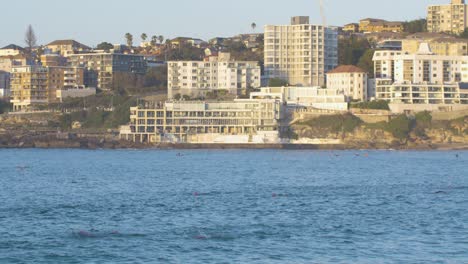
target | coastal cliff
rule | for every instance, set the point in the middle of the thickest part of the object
(401, 132)
(339, 131)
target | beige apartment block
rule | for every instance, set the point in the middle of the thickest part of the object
(28, 86)
(450, 18)
(300, 53)
(101, 68)
(440, 44)
(221, 73)
(38, 85)
(373, 25)
(63, 78)
(351, 80)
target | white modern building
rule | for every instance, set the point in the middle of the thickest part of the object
(352, 80)
(75, 92)
(218, 73)
(420, 78)
(300, 53)
(316, 97)
(242, 121)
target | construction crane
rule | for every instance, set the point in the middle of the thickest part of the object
(322, 13)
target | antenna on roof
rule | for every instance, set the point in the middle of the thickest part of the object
(322, 13)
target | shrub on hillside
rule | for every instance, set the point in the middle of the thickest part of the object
(334, 123)
(376, 105)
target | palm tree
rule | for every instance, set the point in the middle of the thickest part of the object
(161, 39)
(154, 40)
(129, 38)
(144, 37)
(254, 26)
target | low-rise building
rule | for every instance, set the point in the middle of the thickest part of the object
(440, 44)
(196, 78)
(316, 97)
(351, 28)
(239, 121)
(373, 25)
(75, 92)
(11, 50)
(67, 47)
(351, 80)
(100, 68)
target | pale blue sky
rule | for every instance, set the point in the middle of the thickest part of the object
(93, 21)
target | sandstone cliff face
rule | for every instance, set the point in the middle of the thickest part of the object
(439, 133)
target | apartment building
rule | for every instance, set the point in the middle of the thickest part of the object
(351, 80)
(28, 86)
(239, 121)
(351, 28)
(373, 25)
(38, 85)
(300, 53)
(440, 44)
(67, 47)
(196, 78)
(420, 78)
(100, 68)
(62, 79)
(450, 18)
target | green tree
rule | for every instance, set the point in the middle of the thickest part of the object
(154, 41)
(30, 40)
(351, 49)
(365, 62)
(144, 37)
(129, 39)
(400, 127)
(254, 26)
(161, 39)
(415, 26)
(105, 46)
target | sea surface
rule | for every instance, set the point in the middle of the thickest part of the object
(233, 206)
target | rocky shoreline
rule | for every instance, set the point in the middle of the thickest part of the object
(102, 143)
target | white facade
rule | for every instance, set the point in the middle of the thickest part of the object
(331, 99)
(351, 80)
(77, 91)
(300, 53)
(421, 78)
(196, 78)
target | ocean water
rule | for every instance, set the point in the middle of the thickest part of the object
(233, 206)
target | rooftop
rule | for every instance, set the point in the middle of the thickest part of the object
(347, 69)
(68, 42)
(13, 47)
